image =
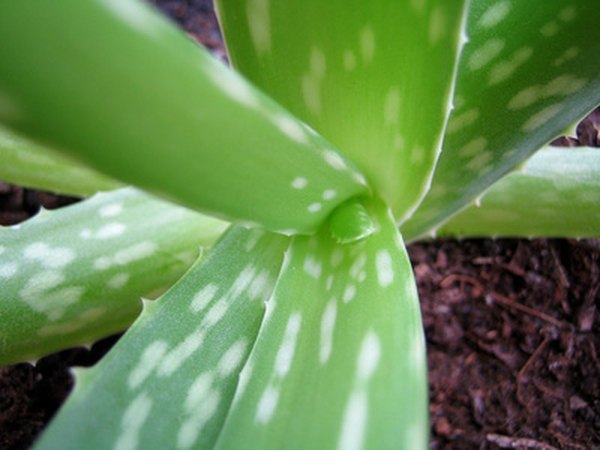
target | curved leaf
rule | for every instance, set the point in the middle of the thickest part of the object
(555, 194)
(373, 77)
(28, 164)
(340, 358)
(169, 381)
(518, 87)
(76, 274)
(135, 98)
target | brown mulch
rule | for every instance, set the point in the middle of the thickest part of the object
(511, 326)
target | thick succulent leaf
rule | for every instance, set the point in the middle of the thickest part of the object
(373, 77)
(28, 164)
(169, 381)
(556, 193)
(528, 71)
(76, 274)
(134, 97)
(340, 358)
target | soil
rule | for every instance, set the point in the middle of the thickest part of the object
(511, 326)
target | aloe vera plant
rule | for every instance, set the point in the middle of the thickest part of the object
(346, 129)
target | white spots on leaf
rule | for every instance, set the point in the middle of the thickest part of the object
(352, 433)
(285, 354)
(312, 267)
(311, 81)
(358, 265)
(565, 84)
(72, 326)
(254, 236)
(260, 286)
(485, 54)
(327, 328)
(349, 60)
(8, 270)
(566, 56)
(385, 271)
(329, 283)
(391, 106)
(267, 405)
(203, 297)
(149, 359)
(110, 230)
(49, 257)
(349, 293)
(568, 14)
(299, 183)
(334, 159)
(127, 255)
(480, 161)
(216, 312)
(398, 141)
(259, 22)
(232, 358)
(318, 65)
(283, 362)
(541, 117)
(291, 128)
(197, 417)
(118, 281)
(550, 29)
(473, 147)
(133, 419)
(367, 44)
(329, 194)
(178, 355)
(503, 70)
(2, 249)
(41, 282)
(495, 14)
(438, 25)
(354, 423)
(458, 122)
(368, 357)
(111, 210)
(314, 207)
(198, 391)
(86, 233)
(337, 256)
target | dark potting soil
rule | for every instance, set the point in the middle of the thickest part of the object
(511, 327)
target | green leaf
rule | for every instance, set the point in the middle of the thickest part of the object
(340, 358)
(375, 78)
(130, 94)
(76, 274)
(169, 381)
(556, 193)
(527, 72)
(28, 164)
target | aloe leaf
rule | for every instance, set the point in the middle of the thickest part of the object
(555, 194)
(375, 77)
(518, 87)
(169, 381)
(28, 164)
(76, 274)
(127, 92)
(340, 359)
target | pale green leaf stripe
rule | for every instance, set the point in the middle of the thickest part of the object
(556, 193)
(518, 87)
(135, 98)
(339, 362)
(169, 381)
(373, 77)
(76, 274)
(28, 164)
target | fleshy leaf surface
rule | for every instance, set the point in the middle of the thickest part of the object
(74, 275)
(28, 164)
(340, 359)
(526, 74)
(555, 194)
(130, 94)
(169, 381)
(373, 77)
